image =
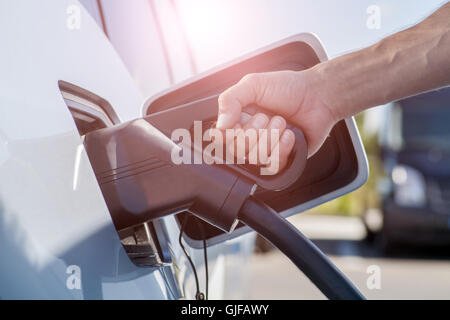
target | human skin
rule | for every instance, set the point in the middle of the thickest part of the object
(409, 62)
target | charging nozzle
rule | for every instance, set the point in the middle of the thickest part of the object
(139, 182)
(134, 166)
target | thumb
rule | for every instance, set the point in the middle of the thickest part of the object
(235, 98)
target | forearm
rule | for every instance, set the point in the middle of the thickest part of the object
(404, 64)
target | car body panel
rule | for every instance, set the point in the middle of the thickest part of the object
(52, 214)
(55, 226)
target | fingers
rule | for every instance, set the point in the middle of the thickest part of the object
(262, 141)
(280, 153)
(267, 140)
(277, 124)
(269, 148)
(234, 99)
(261, 121)
(267, 91)
(258, 121)
(286, 144)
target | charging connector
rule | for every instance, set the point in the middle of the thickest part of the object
(139, 181)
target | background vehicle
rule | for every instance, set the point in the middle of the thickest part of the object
(416, 156)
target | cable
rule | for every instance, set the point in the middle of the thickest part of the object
(300, 250)
(205, 255)
(198, 295)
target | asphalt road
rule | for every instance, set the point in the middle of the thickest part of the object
(409, 274)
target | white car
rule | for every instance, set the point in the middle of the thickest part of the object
(68, 68)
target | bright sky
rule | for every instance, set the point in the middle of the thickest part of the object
(219, 31)
(244, 25)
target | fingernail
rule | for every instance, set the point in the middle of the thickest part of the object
(245, 117)
(287, 136)
(276, 123)
(259, 121)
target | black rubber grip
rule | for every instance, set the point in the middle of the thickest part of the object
(206, 110)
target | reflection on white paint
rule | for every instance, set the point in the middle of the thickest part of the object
(216, 279)
(4, 153)
(161, 284)
(76, 168)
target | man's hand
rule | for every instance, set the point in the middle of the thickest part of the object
(404, 64)
(292, 96)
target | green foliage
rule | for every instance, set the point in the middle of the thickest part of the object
(355, 203)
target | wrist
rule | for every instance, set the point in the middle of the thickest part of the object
(320, 92)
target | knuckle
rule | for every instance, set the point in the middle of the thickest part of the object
(224, 99)
(250, 79)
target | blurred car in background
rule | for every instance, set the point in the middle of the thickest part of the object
(415, 150)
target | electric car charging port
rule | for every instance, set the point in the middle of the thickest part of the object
(142, 247)
(90, 113)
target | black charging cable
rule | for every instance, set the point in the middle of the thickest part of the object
(205, 256)
(199, 295)
(299, 249)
